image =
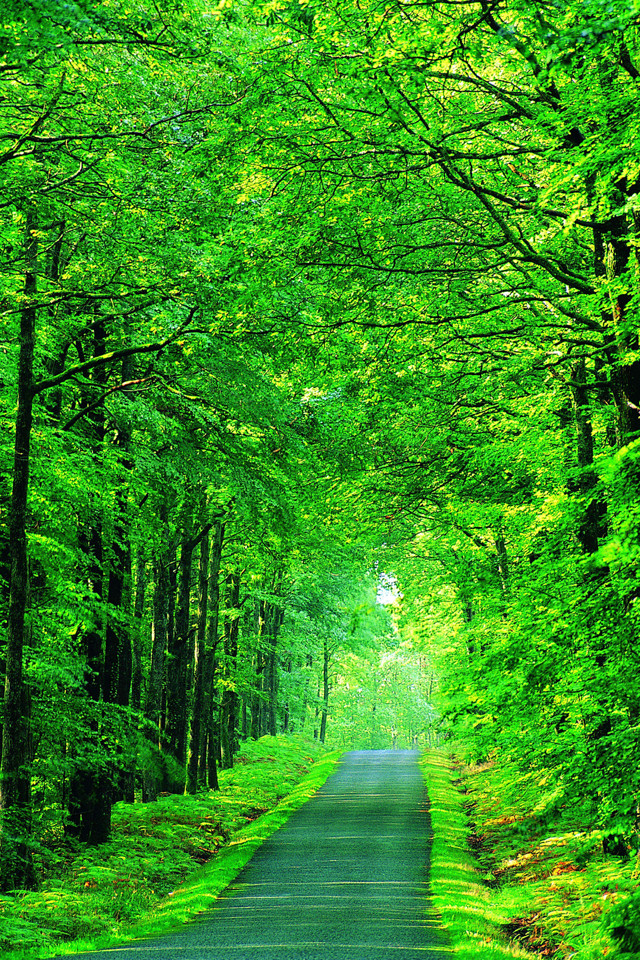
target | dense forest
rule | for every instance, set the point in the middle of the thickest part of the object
(320, 394)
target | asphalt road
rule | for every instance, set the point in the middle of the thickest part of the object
(346, 878)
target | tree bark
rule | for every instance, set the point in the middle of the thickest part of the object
(91, 792)
(16, 867)
(591, 525)
(179, 656)
(153, 705)
(229, 701)
(197, 702)
(256, 693)
(273, 618)
(136, 647)
(325, 689)
(210, 753)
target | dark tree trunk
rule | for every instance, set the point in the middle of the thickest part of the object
(118, 639)
(179, 659)
(325, 689)
(286, 720)
(592, 524)
(613, 241)
(16, 867)
(91, 793)
(256, 730)
(229, 701)
(171, 630)
(197, 701)
(116, 674)
(503, 560)
(136, 647)
(273, 617)
(153, 705)
(210, 728)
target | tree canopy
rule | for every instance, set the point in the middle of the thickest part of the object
(321, 389)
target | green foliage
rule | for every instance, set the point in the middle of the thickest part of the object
(151, 863)
(459, 898)
(622, 923)
(379, 265)
(549, 882)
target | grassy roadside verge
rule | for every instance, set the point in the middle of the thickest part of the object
(460, 900)
(538, 876)
(166, 862)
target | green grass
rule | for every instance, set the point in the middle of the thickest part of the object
(460, 900)
(537, 875)
(167, 861)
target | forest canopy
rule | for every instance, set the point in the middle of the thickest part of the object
(301, 301)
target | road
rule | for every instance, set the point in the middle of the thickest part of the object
(346, 878)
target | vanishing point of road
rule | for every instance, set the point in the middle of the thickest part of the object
(346, 878)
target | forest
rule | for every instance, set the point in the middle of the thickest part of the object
(320, 396)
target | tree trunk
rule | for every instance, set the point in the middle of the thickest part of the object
(229, 701)
(136, 647)
(286, 722)
(90, 792)
(274, 617)
(153, 705)
(325, 689)
(197, 702)
(210, 727)
(16, 867)
(613, 241)
(256, 693)
(593, 513)
(118, 655)
(179, 657)
(503, 559)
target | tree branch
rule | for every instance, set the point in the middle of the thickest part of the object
(110, 357)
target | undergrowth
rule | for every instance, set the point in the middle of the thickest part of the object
(556, 891)
(460, 900)
(542, 880)
(166, 861)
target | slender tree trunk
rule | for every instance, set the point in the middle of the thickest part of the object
(90, 792)
(591, 525)
(16, 867)
(210, 725)
(136, 662)
(286, 723)
(274, 618)
(256, 693)
(325, 689)
(118, 655)
(171, 632)
(613, 241)
(153, 705)
(229, 701)
(503, 559)
(136, 647)
(179, 652)
(197, 701)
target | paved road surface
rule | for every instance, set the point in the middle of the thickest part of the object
(344, 879)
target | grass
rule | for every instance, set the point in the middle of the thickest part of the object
(166, 862)
(536, 881)
(460, 900)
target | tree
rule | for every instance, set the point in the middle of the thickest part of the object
(76, 201)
